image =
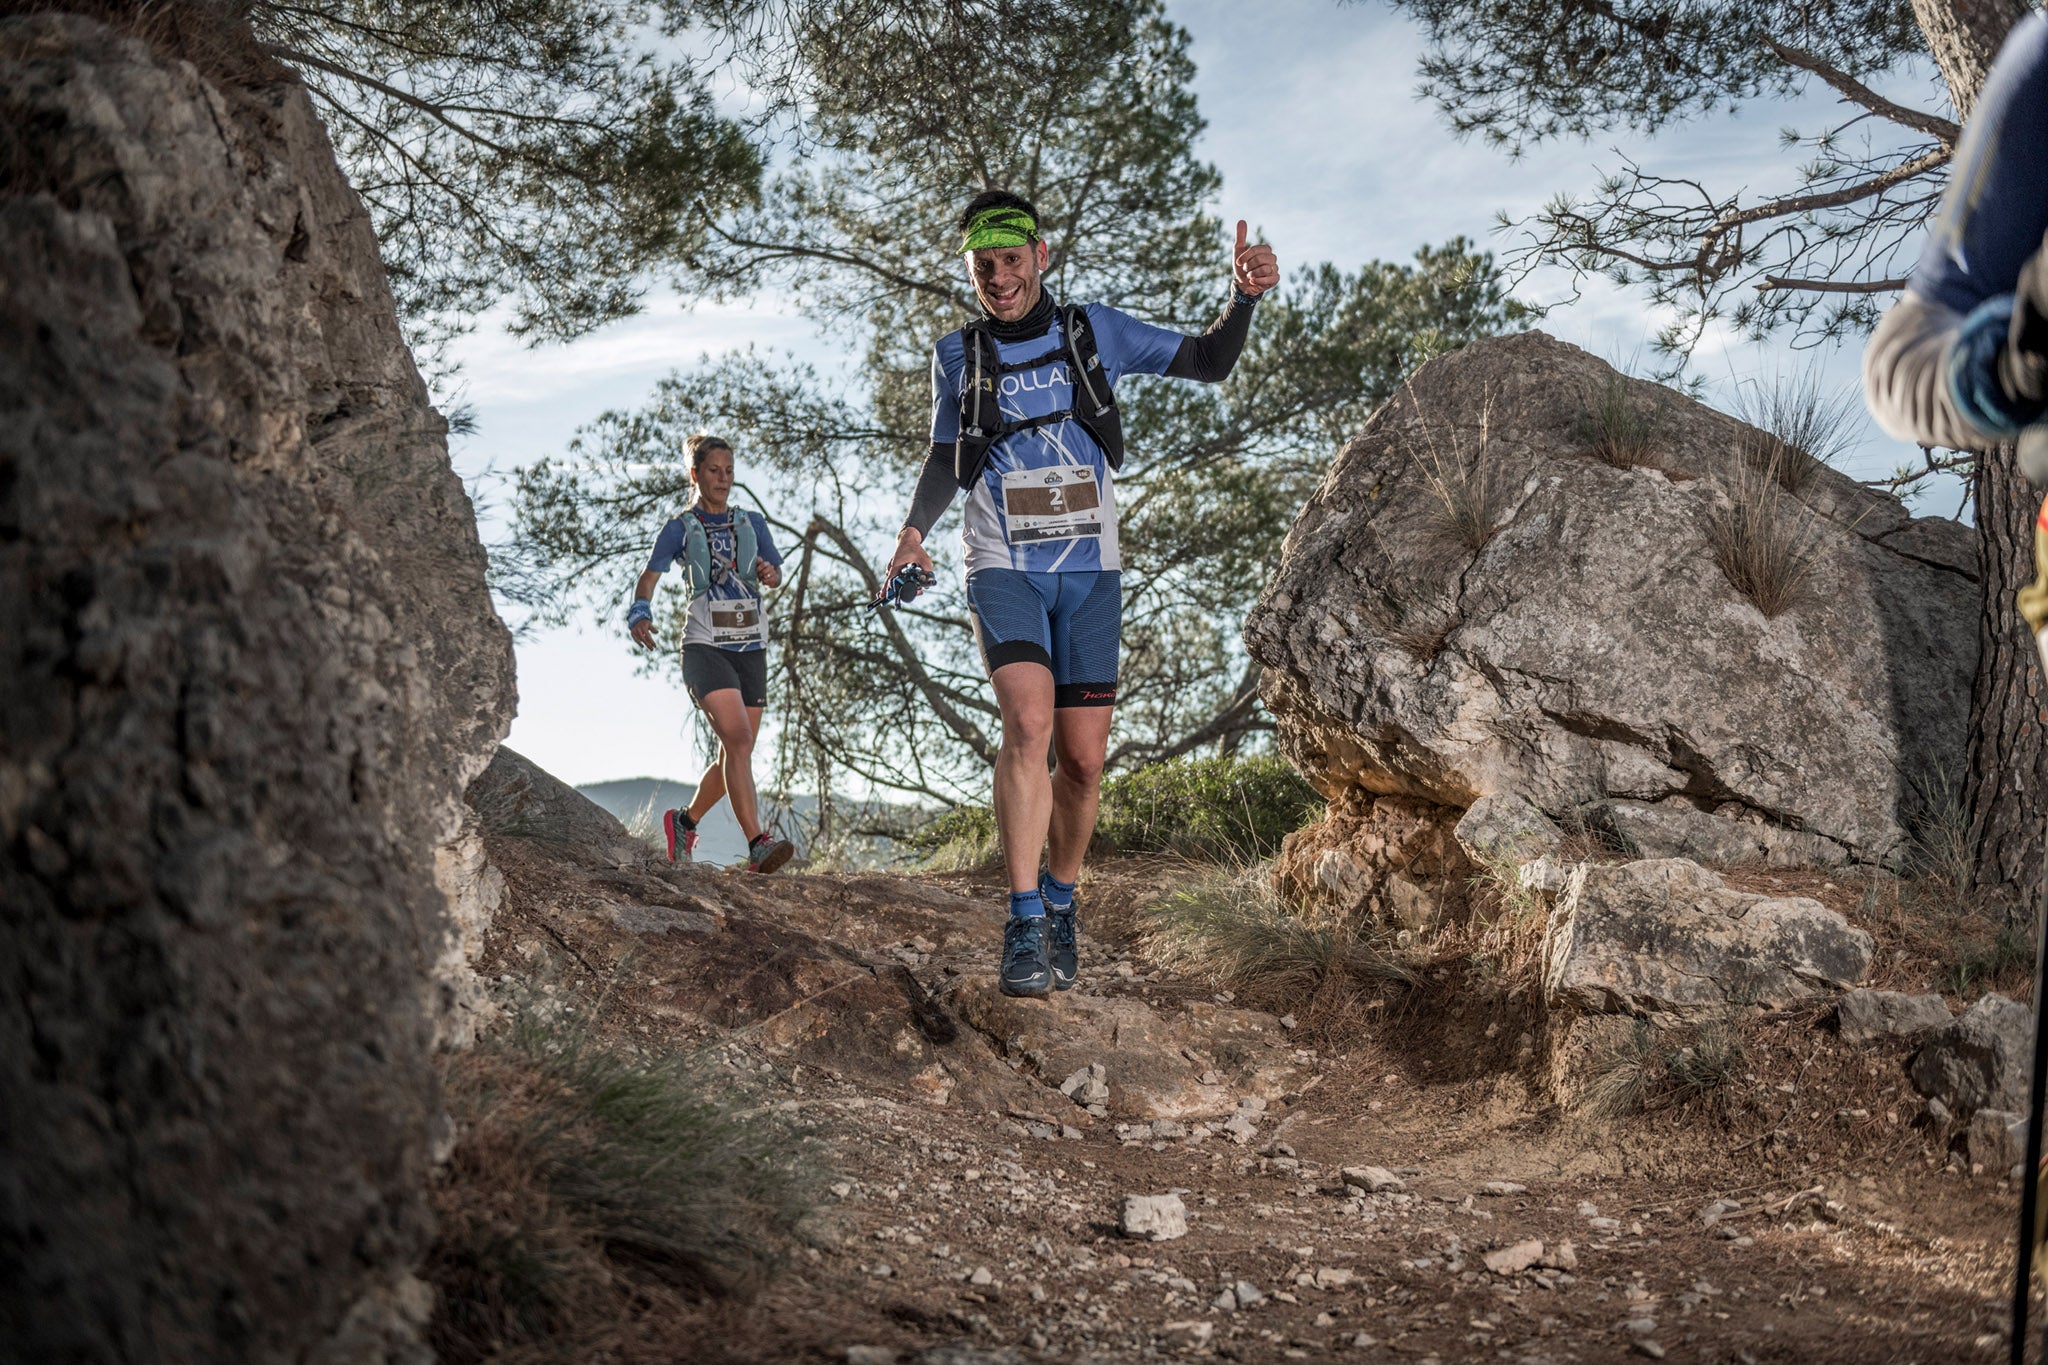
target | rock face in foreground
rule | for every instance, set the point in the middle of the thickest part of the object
(248, 664)
(1591, 655)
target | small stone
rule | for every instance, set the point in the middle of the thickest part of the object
(882, 1271)
(1514, 1259)
(1188, 1336)
(1326, 1320)
(1589, 1210)
(1227, 1301)
(1937, 1112)
(842, 1189)
(1168, 1130)
(1154, 1217)
(872, 1355)
(1333, 1277)
(1640, 1327)
(1647, 1347)
(982, 1275)
(1372, 1179)
(1719, 1209)
(1247, 1293)
(1287, 1021)
(1364, 1341)
(1605, 1224)
(1563, 1256)
(1502, 1188)
(1252, 1104)
(1240, 1129)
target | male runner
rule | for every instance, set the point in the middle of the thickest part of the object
(1043, 586)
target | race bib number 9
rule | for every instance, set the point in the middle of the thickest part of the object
(1059, 503)
(735, 625)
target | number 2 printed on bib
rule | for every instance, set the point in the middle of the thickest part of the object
(1061, 502)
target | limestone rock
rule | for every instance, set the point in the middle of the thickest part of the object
(1512, 1260)
(1865, 1016)
(1372, 1179)
(516, 797)
(1506, 828)
(1591, 650)
(248, 663)
(1674, 828)
(1979, 1060)
(1155, 1217)
(1996, 1140)
(1665, 936)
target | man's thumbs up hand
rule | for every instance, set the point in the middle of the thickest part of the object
(1253, 269)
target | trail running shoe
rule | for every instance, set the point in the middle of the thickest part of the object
(767, 853)
(680, 836)
(1065, 954)
(1025, 969)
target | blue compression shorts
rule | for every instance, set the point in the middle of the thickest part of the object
(1070, 623)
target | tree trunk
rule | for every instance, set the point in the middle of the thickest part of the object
(1964, 35)
(2008, 772)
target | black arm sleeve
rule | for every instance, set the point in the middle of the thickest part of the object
(1211, 356)
(935, 488)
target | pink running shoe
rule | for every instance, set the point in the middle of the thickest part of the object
(679, 835)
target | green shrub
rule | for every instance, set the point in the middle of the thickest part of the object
(1223, 809)
(961, 840)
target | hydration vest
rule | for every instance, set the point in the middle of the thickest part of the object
(982, 423)
(697, 550)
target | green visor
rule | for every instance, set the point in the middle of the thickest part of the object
(996, 227)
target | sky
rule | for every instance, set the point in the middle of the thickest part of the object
(1322, 146)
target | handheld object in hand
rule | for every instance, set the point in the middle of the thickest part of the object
(910, 580)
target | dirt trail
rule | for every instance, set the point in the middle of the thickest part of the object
(973, 1208)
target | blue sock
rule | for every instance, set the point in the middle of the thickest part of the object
(1027, 905)
(1057, 894)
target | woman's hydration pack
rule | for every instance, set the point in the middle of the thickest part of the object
(697, 550)
(981, 419)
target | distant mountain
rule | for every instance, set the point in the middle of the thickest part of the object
(639, 801)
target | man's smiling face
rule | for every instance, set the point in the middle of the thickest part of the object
(1006, 278)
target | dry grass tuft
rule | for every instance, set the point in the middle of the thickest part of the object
(1468, 490)
(1233, 931)
(595, 1184)
(1617, 430)
(1647, 1070)
(1765, 539)
(1803, 424)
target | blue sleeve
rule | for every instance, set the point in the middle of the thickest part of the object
(764, 544)
(1994, 211)
(945, 393)
(1129, 346)
(667, 546)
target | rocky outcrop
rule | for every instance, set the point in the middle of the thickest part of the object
(1386, 860)
(1583, 648)
(1868, 1016)
(249, 665)
(1667, 938)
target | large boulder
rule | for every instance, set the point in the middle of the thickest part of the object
(248, 664)
(1590, 654)
(1667, 938)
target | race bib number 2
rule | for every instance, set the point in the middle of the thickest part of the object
(1059, 503)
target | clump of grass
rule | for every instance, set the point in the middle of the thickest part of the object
(1939, 825)
(1645, 1070)
(1467, 488)
(1234, 932)
(1508, 919)
(1764, 540)
(1802, 426)
(592, 1180)
(1979, 961)
(1617, 430)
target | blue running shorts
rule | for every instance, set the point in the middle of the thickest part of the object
(1070, 623)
